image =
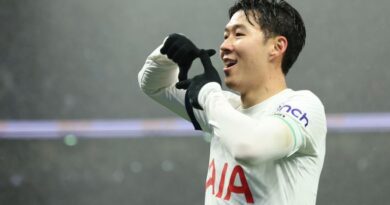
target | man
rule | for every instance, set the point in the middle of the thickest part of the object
(268, 143)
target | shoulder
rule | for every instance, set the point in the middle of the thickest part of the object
(305, 107)
(305, 96)
(304, 111)
(301, 99)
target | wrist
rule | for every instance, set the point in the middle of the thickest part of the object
(206, 90)
(160, 59)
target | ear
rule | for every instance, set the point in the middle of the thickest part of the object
(279, 47)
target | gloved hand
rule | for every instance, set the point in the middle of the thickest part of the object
(194, 85)
(182, 51)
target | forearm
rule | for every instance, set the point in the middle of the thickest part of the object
(249, 140)
(157, 73)
(157, 79)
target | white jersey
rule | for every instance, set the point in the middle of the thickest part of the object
(289, 180)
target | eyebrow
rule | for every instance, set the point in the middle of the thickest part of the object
(235, 27)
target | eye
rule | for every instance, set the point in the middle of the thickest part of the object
(240, 34)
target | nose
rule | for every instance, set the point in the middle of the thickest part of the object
(226, 47)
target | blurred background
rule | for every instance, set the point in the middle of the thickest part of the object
(76, 129)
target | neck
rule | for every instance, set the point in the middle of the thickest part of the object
(268, 89)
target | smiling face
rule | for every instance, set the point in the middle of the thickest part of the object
(245, 53)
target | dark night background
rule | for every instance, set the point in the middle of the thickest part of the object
(79, 59)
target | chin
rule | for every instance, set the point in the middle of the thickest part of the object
(231, 84)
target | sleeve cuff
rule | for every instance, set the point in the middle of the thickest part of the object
(160, 59)
(297, 135)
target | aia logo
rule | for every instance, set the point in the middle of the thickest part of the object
(297, 113)
(232, 188)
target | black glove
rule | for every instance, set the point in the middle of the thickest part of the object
(182, 51)
(194, 85)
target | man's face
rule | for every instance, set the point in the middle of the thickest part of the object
(244, 53)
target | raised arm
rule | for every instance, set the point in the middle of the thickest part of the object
(157, 79)
(248, 139)
(163, 68)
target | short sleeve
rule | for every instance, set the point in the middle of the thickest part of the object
(304, 114)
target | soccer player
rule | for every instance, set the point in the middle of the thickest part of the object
(268, 142)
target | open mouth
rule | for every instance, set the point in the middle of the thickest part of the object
(230, 63)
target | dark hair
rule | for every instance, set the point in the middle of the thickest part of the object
(276, 17)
